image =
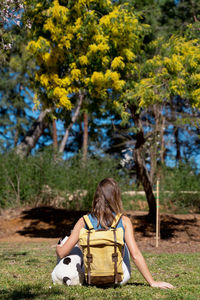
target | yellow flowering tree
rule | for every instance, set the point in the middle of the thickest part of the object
(82, 47)
(173, 70)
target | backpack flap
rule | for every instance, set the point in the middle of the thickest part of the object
(101, 237)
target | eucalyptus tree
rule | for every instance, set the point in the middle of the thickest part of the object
(15, 74)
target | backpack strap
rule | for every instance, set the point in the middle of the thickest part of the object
(89, 255)
(116, 220)
(115, 254)
(88, 222)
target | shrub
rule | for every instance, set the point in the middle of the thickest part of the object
(182, 182)
(41, 179)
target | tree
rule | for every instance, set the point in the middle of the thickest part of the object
(173, 70)
(16, 76)
(84, 49)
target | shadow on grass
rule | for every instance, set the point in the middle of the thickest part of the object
(136, 284)
(30, 292)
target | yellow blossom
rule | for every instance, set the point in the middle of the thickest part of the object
(41, 44)
(103, 47)
(196, 78)
(86, 80)
(78, 24)
(65, 81)
(114, 76)
(118, 84)
(59, 92)
(117, 63)
(193, 63)
(73, 65)
(65, 42)
(75, 73)
(65, 102)
(97, 78)
(93, 48)
(129, 54)
(46, 57)
(44, 80)
(196, 96)
(83, 60)
(99, 38)
(178, 87)
(105, 61)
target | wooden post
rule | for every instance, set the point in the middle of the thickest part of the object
(157, 214)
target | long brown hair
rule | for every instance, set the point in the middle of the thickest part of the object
(107, 202)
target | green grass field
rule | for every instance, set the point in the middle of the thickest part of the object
(25, 273)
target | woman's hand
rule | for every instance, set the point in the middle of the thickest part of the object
(162, 285)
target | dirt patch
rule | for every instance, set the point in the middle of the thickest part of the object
(178, 233)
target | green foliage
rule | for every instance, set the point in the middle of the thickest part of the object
(15, 74)
(176, 17)
(43, 180)
(182, 182)
(26, 274)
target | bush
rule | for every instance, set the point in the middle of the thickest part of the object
(182, 182)
(40, 179)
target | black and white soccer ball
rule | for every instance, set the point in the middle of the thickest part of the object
(69, 270)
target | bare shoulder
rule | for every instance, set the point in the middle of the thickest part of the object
(80, 223)
(126, 221)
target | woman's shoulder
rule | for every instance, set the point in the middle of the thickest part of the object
(126, 221)
(80, 223)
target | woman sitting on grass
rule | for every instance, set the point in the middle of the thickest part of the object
(106, 204)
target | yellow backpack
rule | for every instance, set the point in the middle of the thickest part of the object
(102, 253)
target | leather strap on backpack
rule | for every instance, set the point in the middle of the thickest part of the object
(89, 258)
(115, 254)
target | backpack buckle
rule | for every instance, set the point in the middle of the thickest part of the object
(89, 258)
(115, 257)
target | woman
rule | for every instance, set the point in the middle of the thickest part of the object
(106, 204)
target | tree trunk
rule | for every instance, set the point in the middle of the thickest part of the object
(16, 137)
(85, 136)
(33, 135)
(178, 150)
(55, 141)
(74, 118)
(154, 144)
(141, 169)
(162, 141)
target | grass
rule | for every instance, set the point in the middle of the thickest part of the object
(26, 274)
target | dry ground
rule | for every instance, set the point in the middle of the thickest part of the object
(179, 233)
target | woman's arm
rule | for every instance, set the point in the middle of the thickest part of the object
(138, 257)
(66, 248)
